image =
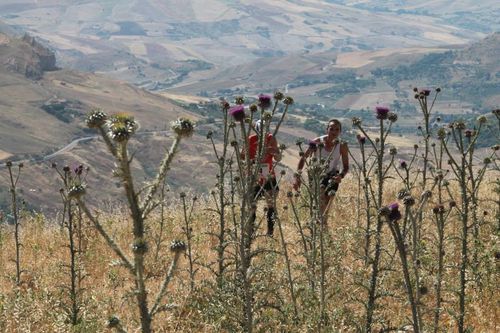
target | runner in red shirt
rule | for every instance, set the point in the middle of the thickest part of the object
(267, 185)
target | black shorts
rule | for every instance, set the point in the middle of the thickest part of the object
(328, 184)
(270, 186)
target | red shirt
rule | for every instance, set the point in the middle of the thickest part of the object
(267, 158)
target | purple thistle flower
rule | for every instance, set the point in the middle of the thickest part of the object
(264, 101)
(381, 112)
(426, 91)
(78, 170)
(237, 112)
(313, 145)
(403, 164)
(361, 139)
(394, 213)
(468, 133)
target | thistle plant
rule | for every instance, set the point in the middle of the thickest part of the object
(116, 132)
(188, 232)
(238, 169)
(220, 196)
(374, 167)
(73, 181)
(468, 177)
(392, 214)
(14, 178)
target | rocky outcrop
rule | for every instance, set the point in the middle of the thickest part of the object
(27, 56)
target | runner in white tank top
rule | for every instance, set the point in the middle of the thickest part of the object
(334, 151)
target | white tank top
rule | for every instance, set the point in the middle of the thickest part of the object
(333, 157)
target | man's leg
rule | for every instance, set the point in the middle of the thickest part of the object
(324, 207)
(271, 212)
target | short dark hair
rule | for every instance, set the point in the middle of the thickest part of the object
(336, 122)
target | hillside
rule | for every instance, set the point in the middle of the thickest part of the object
(344, 85)
(157, 44)
(40, 116)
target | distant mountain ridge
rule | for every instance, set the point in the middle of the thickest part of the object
(149, 42)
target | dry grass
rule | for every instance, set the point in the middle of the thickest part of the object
(35, 306)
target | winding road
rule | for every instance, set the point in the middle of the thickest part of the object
(70, 146)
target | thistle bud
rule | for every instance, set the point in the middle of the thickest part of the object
(408, 200)
(140, 246)
(356, 121)
(177, 246)
(183, 127)
(76, 191)
(393, 117)
(239, 100)
(113, 322)
(288, 100)
(96, 119)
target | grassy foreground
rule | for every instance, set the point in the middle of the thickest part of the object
(39, 303)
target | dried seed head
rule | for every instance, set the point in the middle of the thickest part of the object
(177, 246)
(76, 191)
(140, 246)
(426, 194)
(459, 125)
(441, 134)
(239, 100)
(210, 134)
(408, 200)
(393, 117)
(278, 95)
(384, 211)
(224, 105)
(402, 193)
(356, 121)
(393, 151)
(96, 118)
(183, 127)
(288, 100)
(482, 120)
(8, 164)
(113, 322)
